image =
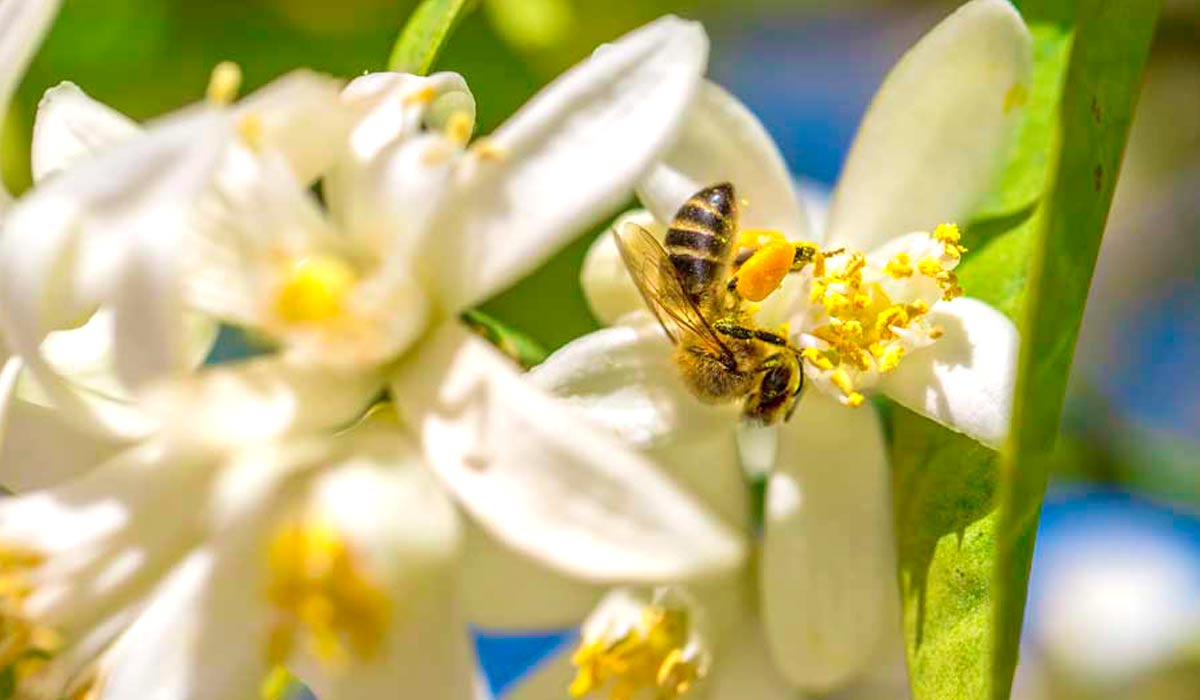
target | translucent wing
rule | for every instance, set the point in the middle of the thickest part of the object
(654, 276)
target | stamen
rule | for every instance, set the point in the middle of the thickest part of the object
(314, 289)
(317, 586)
(224, 83)
(25, 645)
(459, 127)
(630, 647)
(422, 96)
(250, 129)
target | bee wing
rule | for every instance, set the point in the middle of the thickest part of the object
(655, 277)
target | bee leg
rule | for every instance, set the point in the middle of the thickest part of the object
(733, 329)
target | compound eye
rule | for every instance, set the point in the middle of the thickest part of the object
(775, 382)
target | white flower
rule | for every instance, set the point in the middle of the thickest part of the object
(192, 564)
(365, 295)
(823, 595)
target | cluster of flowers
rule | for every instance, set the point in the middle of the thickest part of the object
(346, 505)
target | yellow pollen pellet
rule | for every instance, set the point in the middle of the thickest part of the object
(314, 289)
(755, 237)
(765, 270)
(224, 83)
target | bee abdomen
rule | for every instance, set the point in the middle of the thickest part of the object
(700, 238)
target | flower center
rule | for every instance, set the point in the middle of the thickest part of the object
(314, 289)
(630, 647)
(867, 313)
(24, 645)
(317, 587)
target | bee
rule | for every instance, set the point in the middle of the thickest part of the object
(691, 289)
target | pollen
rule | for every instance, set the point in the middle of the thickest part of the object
(25, 645)
(422, 96)
(319, 589)
(869, 314)
(762, 273)
(224, 83)
(314, 289)
(658, 652)
(756, 237)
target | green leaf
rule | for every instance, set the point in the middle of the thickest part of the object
(425, 33)
(518, 346)
(966, 516)
(1112, 43)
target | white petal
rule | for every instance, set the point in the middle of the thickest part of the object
(397, 516)
(395, 106)
(624, 379)
(827, 572)
(548, 680)
(41, 448)
(68, 244)
(545, 481)
(606, 282)
(72, 127)
(722, 141)
(22, 26)
(965, 379)
(301, 117)
(744, 668)
(936, 134)
(568, 158)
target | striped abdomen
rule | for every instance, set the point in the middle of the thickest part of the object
(700, 240)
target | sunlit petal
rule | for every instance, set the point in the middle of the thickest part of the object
(827, 572)
(965, 380)
(936, 134)
(72, 127)
(543, 479)
(22, 25)
(568, 158)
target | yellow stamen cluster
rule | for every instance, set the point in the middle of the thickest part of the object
(24, 645)
(873, 316)
(649, 656)
(314, 289)
(317, 586)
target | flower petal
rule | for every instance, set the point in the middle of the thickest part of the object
(606, 283)
(545, 481)
(41, 448)
(744, 668)
(72, 127)
(722, 141)
(568, 158)
(301, 117)
(23, 23)
(623, 379)
(69, 244)
(964, 380)
(827, 572)
(933, 139)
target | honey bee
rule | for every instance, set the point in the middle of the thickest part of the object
(721, 353)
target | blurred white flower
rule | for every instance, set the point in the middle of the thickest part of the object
(926, 152)
(194, 563)
(364, 296)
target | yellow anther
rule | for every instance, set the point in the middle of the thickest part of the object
(930, 267)
(855, 399)
(25, 645)
(899, 266)
(817, 358)
(314, 289)
(422, 96)
(936, 333)
(459, 127)
(841, 379)
(250, 129)
(890, 358)
(765, 270)
(317, 586)
(224, 83)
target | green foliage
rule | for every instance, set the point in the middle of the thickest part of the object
(518, 346)
(425, 33)
(966, 517)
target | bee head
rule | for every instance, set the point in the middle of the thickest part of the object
(776, 396)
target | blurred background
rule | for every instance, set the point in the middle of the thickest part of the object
(1115, 600)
